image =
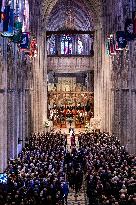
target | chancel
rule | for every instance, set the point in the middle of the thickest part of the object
(70, 99)
(67, 102)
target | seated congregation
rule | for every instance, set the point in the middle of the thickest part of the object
(46, 170)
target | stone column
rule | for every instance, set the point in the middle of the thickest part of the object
(45, 94)
(97, 73)
(3, 131)
(106, 89)
(131, 129)
(123, 92)
(3, 105)
(39, 93)
(13, 103)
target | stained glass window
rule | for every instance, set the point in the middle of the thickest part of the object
(62, 48)
(66, 45)
(52, 45)
(80, 46)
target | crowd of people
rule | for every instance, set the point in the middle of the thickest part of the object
(60, 114)
(38, 175)
(110, 170)
(74, 171)
(45, 169)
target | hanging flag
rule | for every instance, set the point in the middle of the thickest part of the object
(108, 46)
(10, 33)
(2, 17)
(129, 30)
(120, 40)
(18, 25)
(33, 48)
(0, 9)
(6, 18)
(134, 23)
(24, 44)
(17, 31)
(112, 45)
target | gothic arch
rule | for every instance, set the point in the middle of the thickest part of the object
(94, 9)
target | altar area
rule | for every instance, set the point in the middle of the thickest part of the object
(70, 104)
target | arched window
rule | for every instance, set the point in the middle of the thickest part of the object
(80, 46)
(51, 45)
(66, 45)
(70, 44)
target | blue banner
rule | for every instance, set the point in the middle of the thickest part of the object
(6, 19)
(0, 9)
(10, 33)
(24, 44)
(121, 41)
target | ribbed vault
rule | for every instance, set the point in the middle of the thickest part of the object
(87, 13)
(65, 10)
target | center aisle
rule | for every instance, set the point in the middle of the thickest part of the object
(80, 198)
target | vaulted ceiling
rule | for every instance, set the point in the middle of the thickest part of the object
(70, 13)
(86, 13)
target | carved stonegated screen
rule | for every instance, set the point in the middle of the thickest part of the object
(66, 83)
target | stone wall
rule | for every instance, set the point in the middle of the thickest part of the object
(70, 64)
(15, 103)
(118, 78)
